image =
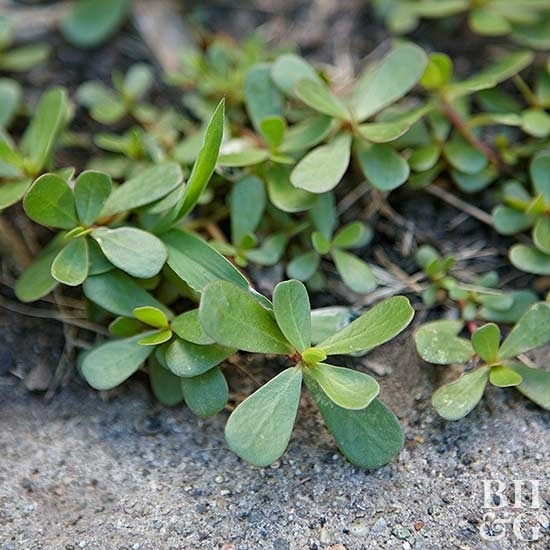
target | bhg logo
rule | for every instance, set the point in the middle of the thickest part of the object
(513, 509)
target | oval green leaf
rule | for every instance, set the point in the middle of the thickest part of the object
(356, 274)
(530, 259)
(91, 190)
(71, 265)
(207, 393)
(383, 167)
(504, 377)
(535, 384)
(486, 341)
(437, 342)
(316, 95)
(187, 359)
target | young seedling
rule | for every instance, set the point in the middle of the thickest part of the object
(438, 342)
(259, 429)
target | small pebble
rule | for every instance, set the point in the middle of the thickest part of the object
(359, 528)
(379, 525)
(324, 536)
(219, 479)
(400, 532)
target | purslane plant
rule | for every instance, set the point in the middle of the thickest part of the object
(494, 361)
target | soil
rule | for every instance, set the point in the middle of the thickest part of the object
(82, 469)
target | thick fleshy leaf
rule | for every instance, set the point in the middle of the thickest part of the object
(148, 186)
(91, 190)
(50, 202)
(289, 69)
(197, 263)
(206, 394)
(292, 313)
(119, 293)
(535, 384)
(508, 221)
(10, 97)
(473, 183)
(71, 265)
(455, 400)
(531, 331)
(530, 259)
(521, 300)
(262, 98)
(234, 318)
(486, 341)
(504, 377)
(541, 234)
(123, 327)
(383, 167)
(91, 22)
(259, 429)
(247, 203)
(273, 130)
(165, 385)
(438, 71)
(374, 327)
(535, 122)
(304, 266)
(349, 389)
(306, 134)
(132, 250)
(384, 132)
(152, 316)
(37, 281)
(323, 214)
(424, 157)
(188, 327)
(322, 169)
(325, 321)
(24, 58)
(156, 338)
(540, 174)
(283, 194)
(393, 77)
(464, 156)
(353, 235)
(49, 117)
(356, 273)
(437, 342)
(108, 365)
(317, 96)
(138, 80)
(368, 437)
(246, 157)
(12, 192)
(488, 22)
(187, 359)
(202, 169)
(270, 251)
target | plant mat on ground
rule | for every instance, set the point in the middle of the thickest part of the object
(174, 302)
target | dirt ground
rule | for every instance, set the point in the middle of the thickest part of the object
(81, 469)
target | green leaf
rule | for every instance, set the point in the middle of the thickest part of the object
(197, 263)
(152, 316)
(165, 385)
(91, 22)
(188, 327)
(187, 359)
(292, 313)
(108, 365)
(312, 356)
(455, 400)
(383, 167)
(316, 95)
(368, 437)
(304, 266)
(522, 299)
(105, 105)
(306, 134)
(323, 168)
(122, 327)
(356, 273)
(424, 157)
(273, 130)
(531, 331)
(271, 250)
(37, 281)
(259, 429)
(383, 132)
(394, 76)
(530, 259)
(246, 157)
(488, 22)
(49, 117)
(138, 81)
(473, 183)
(283, 194)
(156, 338)
(438, 71)
(206, 394)
(535, 384)
(320, 243)
(463, 156)
(541, 234)
(535, 122)
(24, 57)
(120, 294)
(323, 214)
(203, 168)
(247, 203)
(289, 69)
(437, 342)
(10, 98)
(71, 265)
(263, 100)
(539, 170)
(353, 235)
(486, 341)
(50, 202)
(374, 327)
(132, 250)
(148, 186)
(504, 377)
(327, 320)
(234, 318)
(12, 192)
(508, 221)
(349, 389)
(91, 190)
